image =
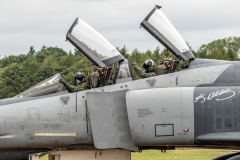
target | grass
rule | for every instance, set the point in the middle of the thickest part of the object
(44, 158)
(183, 154)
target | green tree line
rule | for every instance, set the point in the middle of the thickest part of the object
(20, 72)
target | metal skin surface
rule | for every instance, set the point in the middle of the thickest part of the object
(111, 130)
(23, 124)
(163, 109)
(217, 109)
(48, 115)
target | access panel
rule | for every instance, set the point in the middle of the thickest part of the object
(161, 116)
(109, 120)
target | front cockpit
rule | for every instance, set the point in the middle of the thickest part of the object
(112, 66)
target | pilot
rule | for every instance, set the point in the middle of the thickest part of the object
(148, 69)
(81, 83)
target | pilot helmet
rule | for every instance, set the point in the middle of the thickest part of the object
(80, 78)
(148, 65)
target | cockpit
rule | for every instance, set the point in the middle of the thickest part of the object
(112, 67)
(100, 52)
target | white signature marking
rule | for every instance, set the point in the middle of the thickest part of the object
(215, 94)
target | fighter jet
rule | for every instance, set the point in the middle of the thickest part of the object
(197, 106)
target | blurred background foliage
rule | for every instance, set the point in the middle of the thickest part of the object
(20, 72)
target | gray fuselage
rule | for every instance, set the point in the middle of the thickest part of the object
(161, 110)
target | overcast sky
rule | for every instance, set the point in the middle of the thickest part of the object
(25, 23)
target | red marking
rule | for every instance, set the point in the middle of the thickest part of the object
(172, 65)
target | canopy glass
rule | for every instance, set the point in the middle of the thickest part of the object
(48, 86)
(160, 22)
(157, 24)
(92, 44)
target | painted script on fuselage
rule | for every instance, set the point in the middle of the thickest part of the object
(228, 92)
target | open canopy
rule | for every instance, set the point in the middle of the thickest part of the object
(92, 44)
(157, 24)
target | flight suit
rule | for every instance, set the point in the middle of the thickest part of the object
(72, 88)
(178, 68)
(141, 73)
